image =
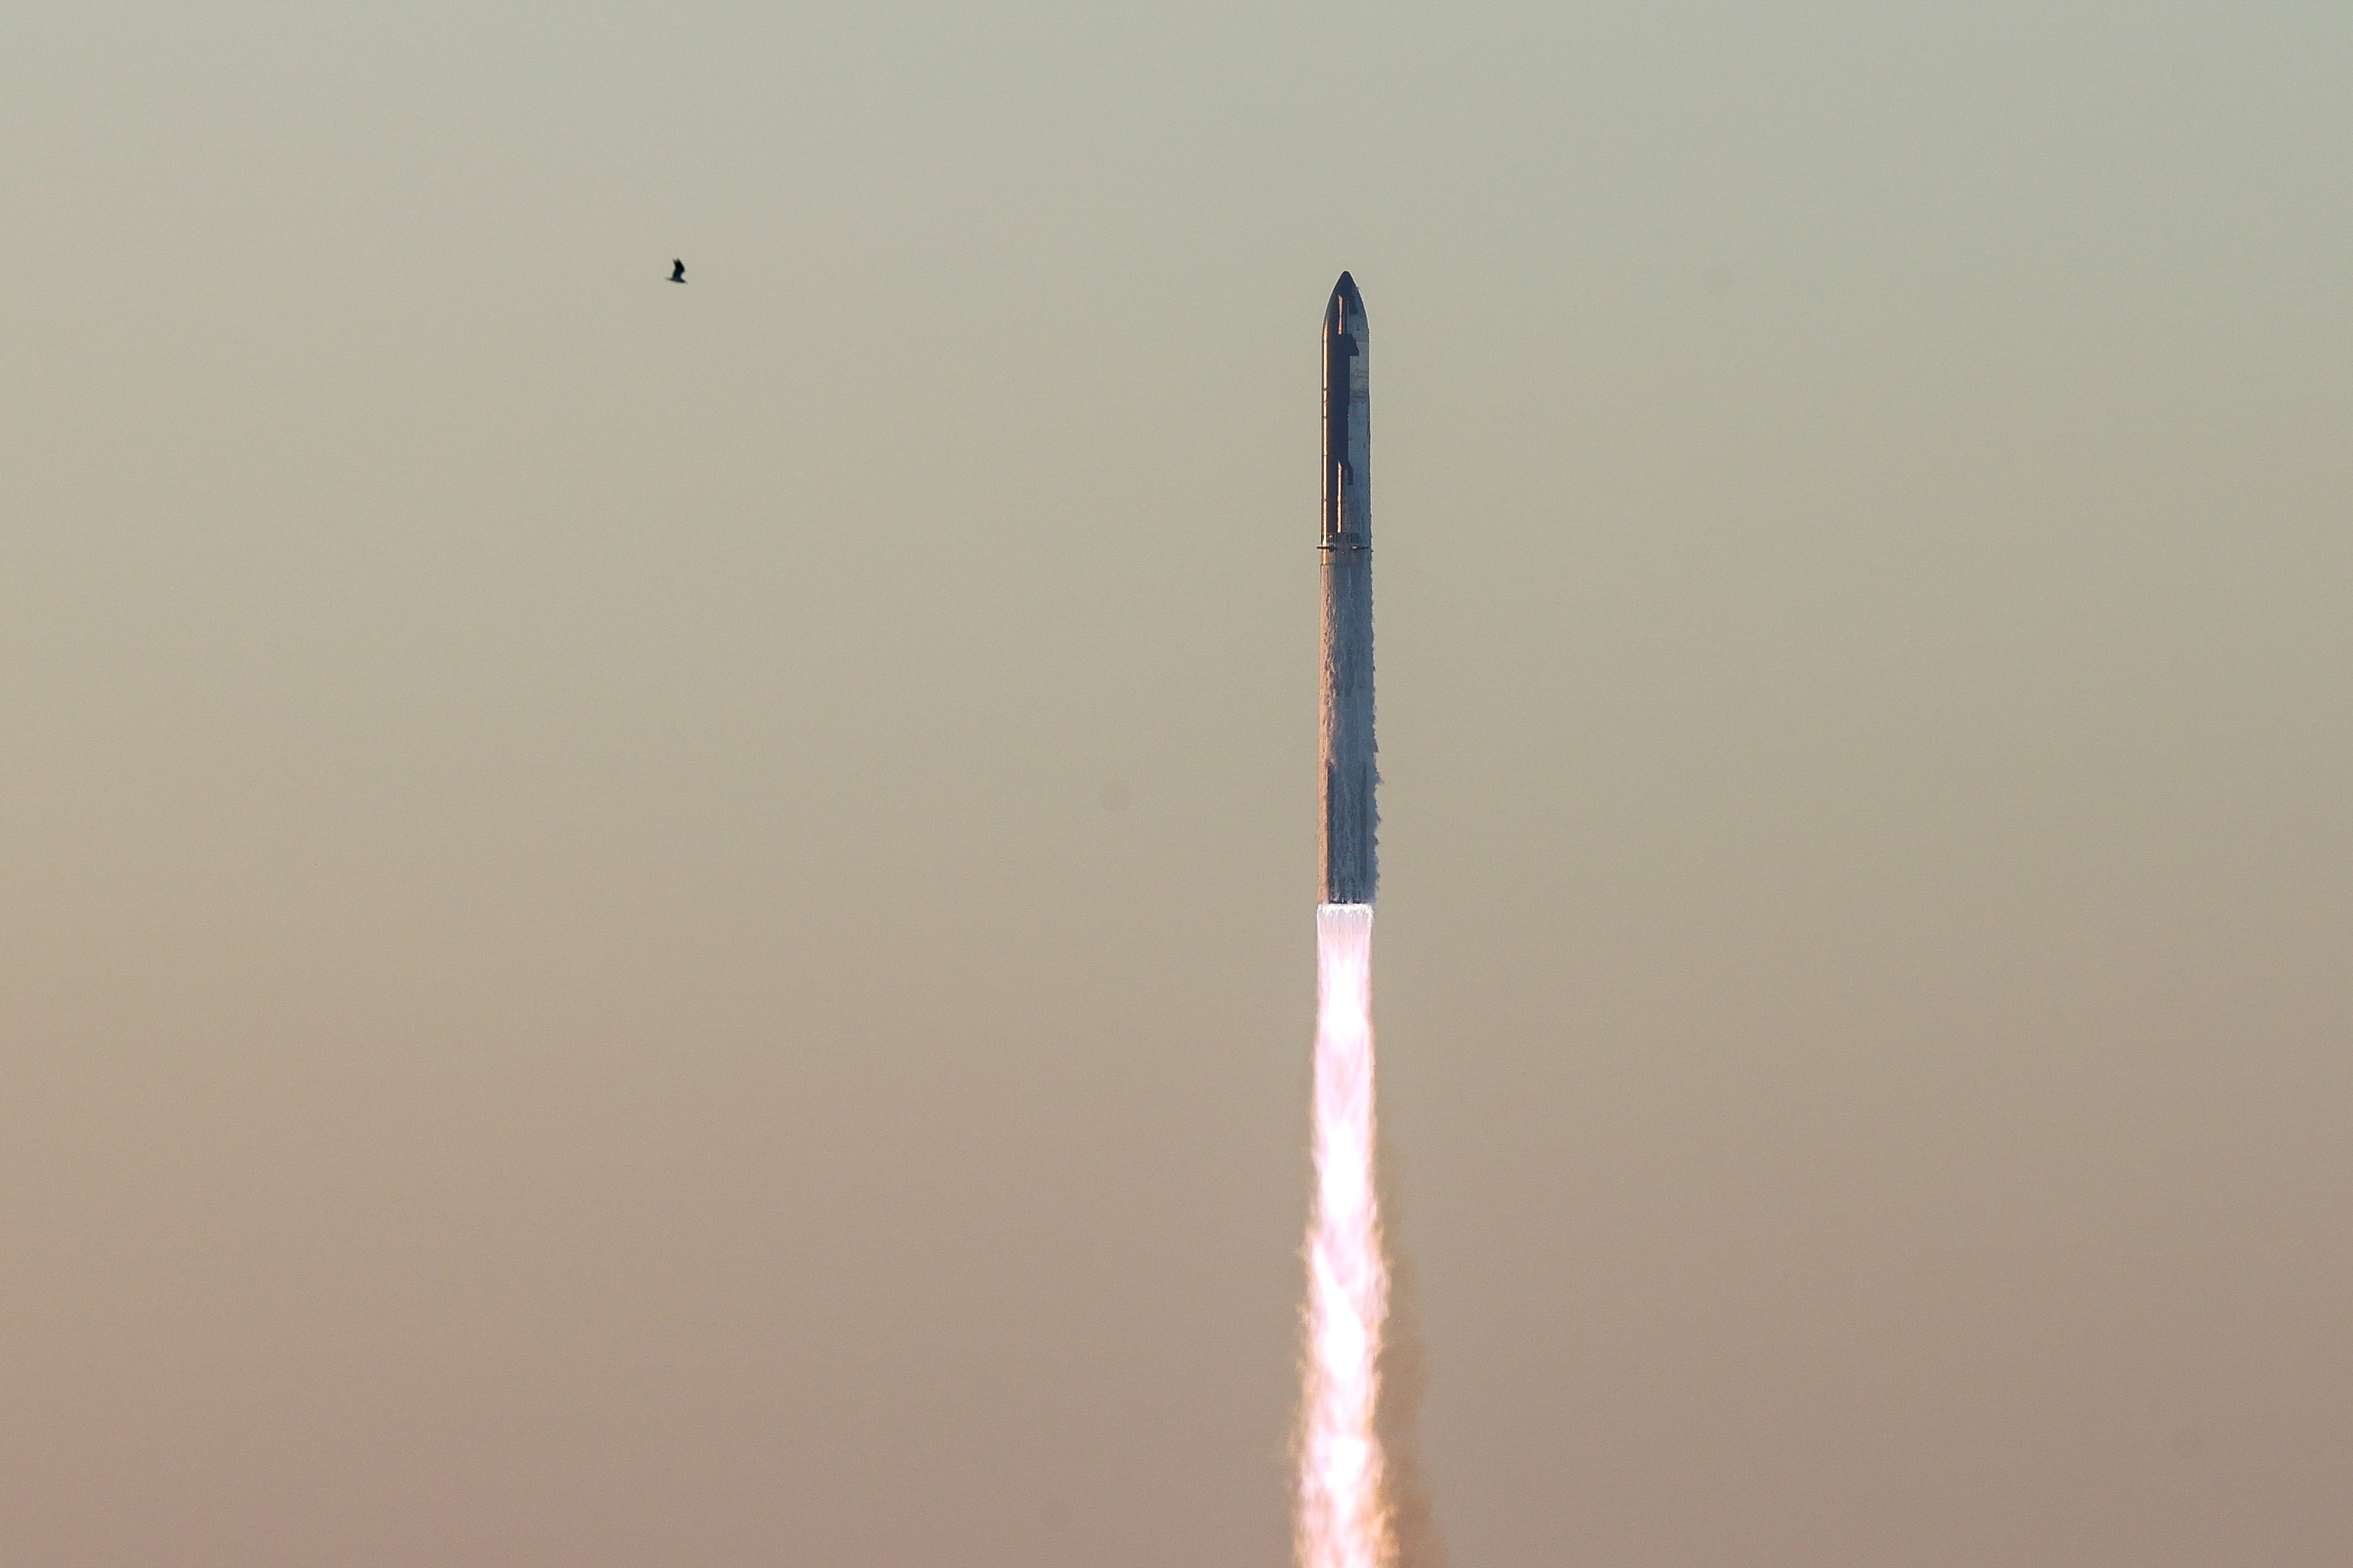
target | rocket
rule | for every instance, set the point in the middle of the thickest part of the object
(1350, 771)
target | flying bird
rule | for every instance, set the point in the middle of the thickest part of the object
(677, 271)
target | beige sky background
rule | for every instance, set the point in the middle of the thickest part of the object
(672, 926)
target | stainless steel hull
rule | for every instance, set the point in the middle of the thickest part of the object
(1351, 819)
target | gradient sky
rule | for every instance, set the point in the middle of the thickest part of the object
(654, 925)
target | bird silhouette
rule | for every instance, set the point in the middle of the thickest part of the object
(677, 271)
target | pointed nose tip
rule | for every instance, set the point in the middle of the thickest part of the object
(1345, 292)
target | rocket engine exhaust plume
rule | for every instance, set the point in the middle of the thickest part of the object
(1344, 1516)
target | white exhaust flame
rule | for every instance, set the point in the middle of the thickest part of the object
(1343, 1518)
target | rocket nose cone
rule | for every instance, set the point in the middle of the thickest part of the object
(1344, 311)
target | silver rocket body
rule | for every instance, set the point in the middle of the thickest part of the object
(1351, 770)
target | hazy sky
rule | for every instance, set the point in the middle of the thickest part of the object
(672, 926)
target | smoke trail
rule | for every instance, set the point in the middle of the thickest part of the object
(1343, 1515)
(1405, 1377)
